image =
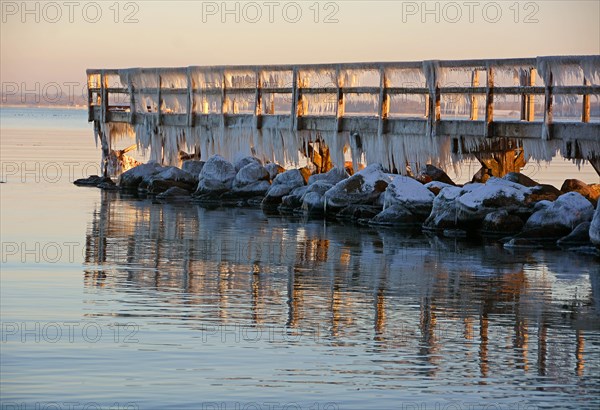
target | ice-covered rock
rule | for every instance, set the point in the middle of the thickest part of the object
(132, 178)
(559, 218)
(501, 222)
(333, 176)
(252, 179)
(241, 163)
(364, 187)
(193, 167)
(176, 174)
(595, 228)
(444, 211)
(358, 212)
(282, 185)
(274, 170)
(216, 176)
(313, 201)
(496, 194)
(410, 194)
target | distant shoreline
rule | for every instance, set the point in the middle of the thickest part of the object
(58, 107)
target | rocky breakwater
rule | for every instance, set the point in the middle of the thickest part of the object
(515, 210)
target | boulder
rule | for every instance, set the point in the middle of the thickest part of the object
(282, 185)
(395, 215)
(169, 177)
(241, 163)
(595, 228)
(356, 212)
(580, 236)
(436, 186)
(293, 200)
(431, 173)
(362, 188)
(174, 194)
(274, 170)
(519, 178)
(501, 222)
(542, 193)
(410, 194)
(559, 218)
(443, 212)
(252, 179)
(496, 194)
(332, 177)
(132, 178)
(306, 173)
(93, 180)
(590, 192)
(193, 167)
(313, 201)
(216, 176)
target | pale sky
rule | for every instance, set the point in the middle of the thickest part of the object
(65, 40)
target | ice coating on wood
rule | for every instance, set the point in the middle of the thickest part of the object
(194, 91)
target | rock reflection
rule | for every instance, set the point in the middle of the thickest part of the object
(428, 302)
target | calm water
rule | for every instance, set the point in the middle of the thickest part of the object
(109, 301)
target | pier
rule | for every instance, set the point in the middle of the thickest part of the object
(503, 112)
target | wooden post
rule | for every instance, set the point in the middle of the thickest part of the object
(104, 94)
(585, 113)
(527, 100)
(340, 107)
(548, 108)
(474, 103)
(272, 104)
(258, 102)
(223, 93)
(89, 95)
(295, 98)
(489, 103)
(384, 102)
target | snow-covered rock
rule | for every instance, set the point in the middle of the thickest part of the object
(333, 176)
(132, 178)
(495, 194)
(176, 174)
(313, 201)
(595, 228)
(241, 163)
(364, 187)
(560, 217)
(410, 194)
(252, 179)
(444, 211)
(282, 185)
(216, 176)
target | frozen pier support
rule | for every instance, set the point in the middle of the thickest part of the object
(502, 112)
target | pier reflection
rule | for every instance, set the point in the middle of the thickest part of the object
(411, 304)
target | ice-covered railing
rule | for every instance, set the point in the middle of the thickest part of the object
(395, 113)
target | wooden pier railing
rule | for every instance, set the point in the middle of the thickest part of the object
(543, 99)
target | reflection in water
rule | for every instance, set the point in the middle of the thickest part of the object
(404, 306)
